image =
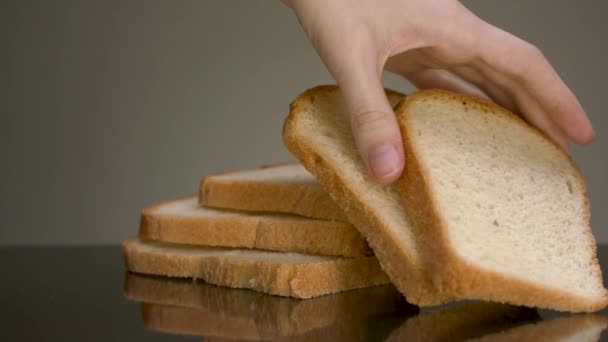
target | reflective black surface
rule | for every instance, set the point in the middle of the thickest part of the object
(84, 293)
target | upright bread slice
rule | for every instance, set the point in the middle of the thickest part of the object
(184, 221)
(501, 212)
(286, 188)
(283, 274)
(318, 133)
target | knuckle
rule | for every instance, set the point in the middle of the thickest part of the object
(530, 57)
(532, 51)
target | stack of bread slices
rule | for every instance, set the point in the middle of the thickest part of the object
(487, 209)
(271, 229)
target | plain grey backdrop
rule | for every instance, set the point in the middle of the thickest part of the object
(110, 106)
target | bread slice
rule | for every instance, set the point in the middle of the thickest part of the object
(286, 188)
(184, 221)
(501, 212)
(317, 132)
(464, 322)
(579, 328)
(263, 315)
(283, 274)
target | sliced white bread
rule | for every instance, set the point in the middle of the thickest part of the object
(283, 274)
(266, 315)
(317, 132)
(286, 188)
(577, 328)
(500, 212)
(463, 322)
(184, 221)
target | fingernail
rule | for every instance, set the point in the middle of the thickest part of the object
(384, 161)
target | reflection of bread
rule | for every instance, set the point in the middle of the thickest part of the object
(184, 221)
(188, 321)
(282, 315)
(500, 212)
(283, 274)
(579, 328)
(318, 133)
(278, 189)
(463, 322)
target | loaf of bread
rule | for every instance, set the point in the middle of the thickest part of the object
(183, 221)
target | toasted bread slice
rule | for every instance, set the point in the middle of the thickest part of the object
(286, 188)
(184, 221)
(317, 131)
(283, 274)
(500, 212)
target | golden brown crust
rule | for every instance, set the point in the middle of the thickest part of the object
(299, 280)
(307, 200)
(282, 233)
(451, 272)
(406, 273)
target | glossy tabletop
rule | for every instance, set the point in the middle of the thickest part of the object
(84, 293)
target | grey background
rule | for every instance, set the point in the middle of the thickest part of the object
(110, 106)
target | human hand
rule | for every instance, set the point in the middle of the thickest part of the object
(434, 44)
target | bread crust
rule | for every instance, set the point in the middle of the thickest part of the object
(298, 280)
(307, 200)
(451, 272)
(284, 233)
(403, 268)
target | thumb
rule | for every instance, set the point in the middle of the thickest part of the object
(373, 124)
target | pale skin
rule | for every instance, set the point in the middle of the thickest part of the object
(433, 44)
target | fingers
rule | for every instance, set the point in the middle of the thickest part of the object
(444, 79)
(349, 49)
(524, 71)
(538, 117)
(373, 121)
(497, 87)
